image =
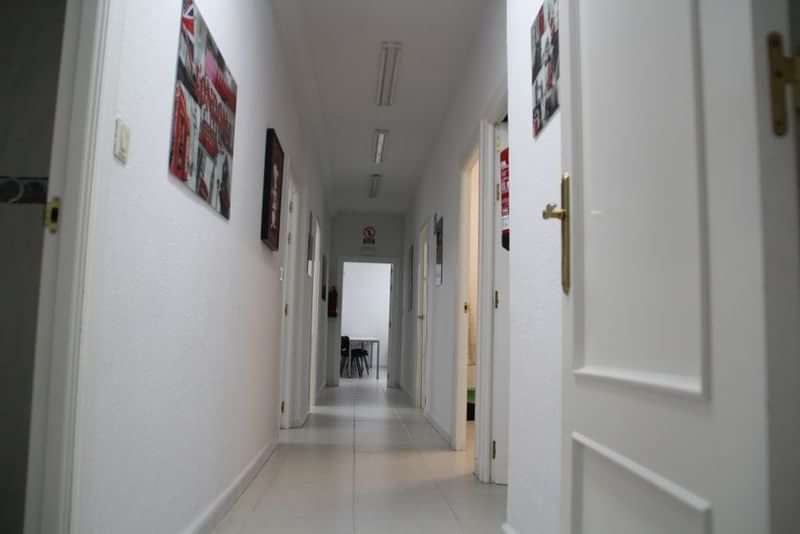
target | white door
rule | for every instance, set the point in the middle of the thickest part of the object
(665, 353)
(501, 331)
(288, 243)
(423, 263)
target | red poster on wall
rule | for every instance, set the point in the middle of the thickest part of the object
(505, 204)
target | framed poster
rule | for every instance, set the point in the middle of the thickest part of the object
(505, 201)
(310, 255)
(324, 277)
(273, 191)
(204, 114)
(545, 70)
(438, 231)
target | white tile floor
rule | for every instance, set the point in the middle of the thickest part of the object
(367, 462)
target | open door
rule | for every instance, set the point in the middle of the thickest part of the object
(502, 310)
(666, 340)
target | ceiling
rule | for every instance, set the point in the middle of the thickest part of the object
(332, 50)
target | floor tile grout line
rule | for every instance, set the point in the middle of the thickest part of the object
(353, 494)
(435, 481)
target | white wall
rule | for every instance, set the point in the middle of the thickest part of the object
(535, 414)
(27, 108)
(348, 246)
(365, 303)
(180, 364)
(479, 97)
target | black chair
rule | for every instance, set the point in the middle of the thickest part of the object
(353, 360)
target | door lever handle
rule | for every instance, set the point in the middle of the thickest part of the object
(551, 211)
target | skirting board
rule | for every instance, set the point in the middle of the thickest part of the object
(216, 512)
(508, 529)
(439, 429)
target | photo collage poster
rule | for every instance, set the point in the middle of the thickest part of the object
(545, 61)
(204, 116)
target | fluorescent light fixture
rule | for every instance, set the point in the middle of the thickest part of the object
(374, 185)
(388, 71)
(380, 144)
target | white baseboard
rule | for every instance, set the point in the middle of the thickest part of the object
(216, 512)
(442, 432)
(508, 529)
(300, 423)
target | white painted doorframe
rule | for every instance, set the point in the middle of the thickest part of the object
(395, 304)
(55, 417)
(313, 389)
(290, 271)
(485, 314)
(422, 308)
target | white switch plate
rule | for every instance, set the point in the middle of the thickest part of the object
(122, 141)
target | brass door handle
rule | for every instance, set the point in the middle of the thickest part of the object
(551, 211)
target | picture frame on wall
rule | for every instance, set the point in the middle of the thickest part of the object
(273, 191)
(324, 277)
(438, 231)
(203, 115)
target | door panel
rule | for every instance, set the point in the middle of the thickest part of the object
(643, 318)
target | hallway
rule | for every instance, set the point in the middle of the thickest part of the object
(366, 462)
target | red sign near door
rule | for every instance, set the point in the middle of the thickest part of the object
(505, 204)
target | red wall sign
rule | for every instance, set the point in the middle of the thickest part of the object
(505, 204)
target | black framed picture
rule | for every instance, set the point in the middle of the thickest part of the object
(273, 189)
(438, 232)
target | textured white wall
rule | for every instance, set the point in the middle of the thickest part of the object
(439, 191)
(347, 245)
(365, 303)
(180, 350)
(535, 403)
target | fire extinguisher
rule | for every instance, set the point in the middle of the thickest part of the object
(333, 302)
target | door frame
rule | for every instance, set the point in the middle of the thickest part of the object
(316, 279)
(53, 463)
(487, 206)
(422, 346)
(395, 305)
(289, 314)
(486, 328)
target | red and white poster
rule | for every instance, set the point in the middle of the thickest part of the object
(201, 151)
(505, 204)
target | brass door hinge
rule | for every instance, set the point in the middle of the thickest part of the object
(496, 300)
(494, 450)
(783, 70)
(52, 212)
(283, 406)
(286, 310)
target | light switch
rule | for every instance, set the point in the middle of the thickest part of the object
(122, 141)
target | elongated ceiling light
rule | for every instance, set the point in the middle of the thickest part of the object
(380, 144)
(388, 69)
(374, 185)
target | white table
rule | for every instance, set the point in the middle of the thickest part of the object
(370, 341)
